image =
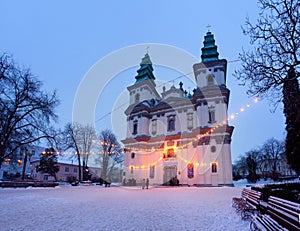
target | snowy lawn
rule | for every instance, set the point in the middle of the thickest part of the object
(120, 208)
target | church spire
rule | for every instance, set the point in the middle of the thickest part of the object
(209, 51)
(145, 72)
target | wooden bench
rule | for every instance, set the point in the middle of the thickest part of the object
(248, 203)
(287, 213)
(252, 197)
(264, 222)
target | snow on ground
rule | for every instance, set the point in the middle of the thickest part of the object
(120, 208)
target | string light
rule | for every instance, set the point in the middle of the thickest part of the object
(154, 150)
(197, 138)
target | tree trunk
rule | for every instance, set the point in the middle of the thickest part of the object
(24, 165)
(79, 166)
(104, 166)
(291, 102)
(55, 177)
(2, 152)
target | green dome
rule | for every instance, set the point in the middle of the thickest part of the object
(210, 49)
(145, 72)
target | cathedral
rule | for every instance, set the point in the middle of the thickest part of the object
(175, 137)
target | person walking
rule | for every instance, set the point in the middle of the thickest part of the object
(143, 183)
(147, 183)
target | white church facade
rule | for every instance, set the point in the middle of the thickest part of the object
(177, 137)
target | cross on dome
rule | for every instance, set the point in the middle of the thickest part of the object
(208, 27)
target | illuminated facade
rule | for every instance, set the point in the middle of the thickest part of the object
(175, 136)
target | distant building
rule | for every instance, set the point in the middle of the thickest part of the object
(178, 136)
(67, 172)
(13, 167)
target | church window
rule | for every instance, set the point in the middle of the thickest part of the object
(171, 153)
(132, 155)
(211, 115)
(171, 124)
(131, 169)
(135, 127)
(137, 98)
(190, 170)
(214, 167)
(213, 148)
(154, 127)
(190, 121)
(152, 168)
(210, 80)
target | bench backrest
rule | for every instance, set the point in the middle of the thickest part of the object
(285, 211)
(285, 203)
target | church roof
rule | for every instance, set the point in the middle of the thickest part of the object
(210, 49)
(145, 72)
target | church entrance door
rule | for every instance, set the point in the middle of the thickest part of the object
(170, 173)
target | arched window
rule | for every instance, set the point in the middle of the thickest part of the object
(171, 124)
(171, 153)
(131, 169)
(132, 155)
(135, 128)
(214, 167)
(211, 115)
(152, 167)
(154, 126)
(210, 80)
(190, 121)
(137, 98)
(190, 170)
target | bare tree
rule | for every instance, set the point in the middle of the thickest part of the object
(26, 110)
(273, 66)
(111, 155)
(273, 149)
(80, 138)
(72, 134)
(88, 135)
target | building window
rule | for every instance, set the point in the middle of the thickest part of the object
(137, 98)
(214, 167)
(152, 168)
(211, 115)
(67, 169)
(75, 170)
(170, 153)
(7, 161)
(20, 162)
(213, 148)
(154, 127)
(45, 177)
(33, 152)
(135, 127)
(190, 121)
(132, 155)
(210, 80)
(190, 170)
(131, 169)
(171, 124)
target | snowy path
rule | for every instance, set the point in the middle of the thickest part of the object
(119, 208)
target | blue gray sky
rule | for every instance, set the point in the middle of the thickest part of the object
(61, 40)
